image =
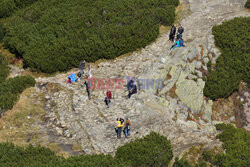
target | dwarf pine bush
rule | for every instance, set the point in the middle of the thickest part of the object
(233, 65)
(8, 7)
(54, 35)
(10, 90)
(247, 5)
(152, 150)
(236, 143)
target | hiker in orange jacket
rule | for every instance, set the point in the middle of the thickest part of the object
(127, 126)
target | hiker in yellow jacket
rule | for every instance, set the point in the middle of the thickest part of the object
(119, 127)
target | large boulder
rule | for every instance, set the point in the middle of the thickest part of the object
(191, 94)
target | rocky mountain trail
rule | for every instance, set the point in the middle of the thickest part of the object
(170, 97)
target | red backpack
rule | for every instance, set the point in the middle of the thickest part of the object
(109, 94)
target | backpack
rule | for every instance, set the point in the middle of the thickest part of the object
(181, 42)
(127, 124)
(109, 94)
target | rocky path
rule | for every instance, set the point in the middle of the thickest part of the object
(178, 110)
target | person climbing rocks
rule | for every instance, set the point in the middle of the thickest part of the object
(180, 31)
(108, 98)
(172, 33)
(119, 128)
(127, 126)
(132, 88)
(87, 85)
(176, 44)
(81, 68)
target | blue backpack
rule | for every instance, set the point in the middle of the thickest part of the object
(181, 42)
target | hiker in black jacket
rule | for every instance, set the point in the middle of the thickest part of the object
(180, 31)
(172, 33)
(81, 68)
(87, 85)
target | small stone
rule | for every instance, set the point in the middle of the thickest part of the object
(204, 67)
(232, 118)
(198, 64)
(206, 60)
(59, 131)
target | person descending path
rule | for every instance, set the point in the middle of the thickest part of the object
(81, 68)
(132, 88)
(127, 126)
(180, 31)
(172, 33)
(87, 85)
(119, 128)
(108, 98)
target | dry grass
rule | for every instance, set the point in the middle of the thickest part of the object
(18, 124)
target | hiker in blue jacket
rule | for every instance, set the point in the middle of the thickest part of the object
(72, 78)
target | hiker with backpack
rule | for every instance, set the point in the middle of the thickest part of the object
(180, 31)
(172, 33)
(81, 68)
(127, 126)
(72, 78)
(132, 88)
(87, 85)
(108, 98)
(176, 44)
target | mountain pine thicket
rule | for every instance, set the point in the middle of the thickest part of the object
(10, 89)
(233, 65)
(247, 5)
(54, 35)
(152, 150)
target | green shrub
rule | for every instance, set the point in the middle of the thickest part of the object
(233, 65)
(236, 143)
(2, 32)
(247, 5)
(4, 69)
(181, 163)
(10, 90)
(152, 150)
(158, 154)
(7, 7)
(54, 35)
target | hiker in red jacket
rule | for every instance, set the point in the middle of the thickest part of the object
(108, 98)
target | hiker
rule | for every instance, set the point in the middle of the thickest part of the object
(132, 88)
(172, 33)
(89, 72)
(180, 31)
(81, 68)
(127, 126)
(87, 85)
(122, 120)
(119, 128)
(108, 98)
(176, 44)
(72, 78)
